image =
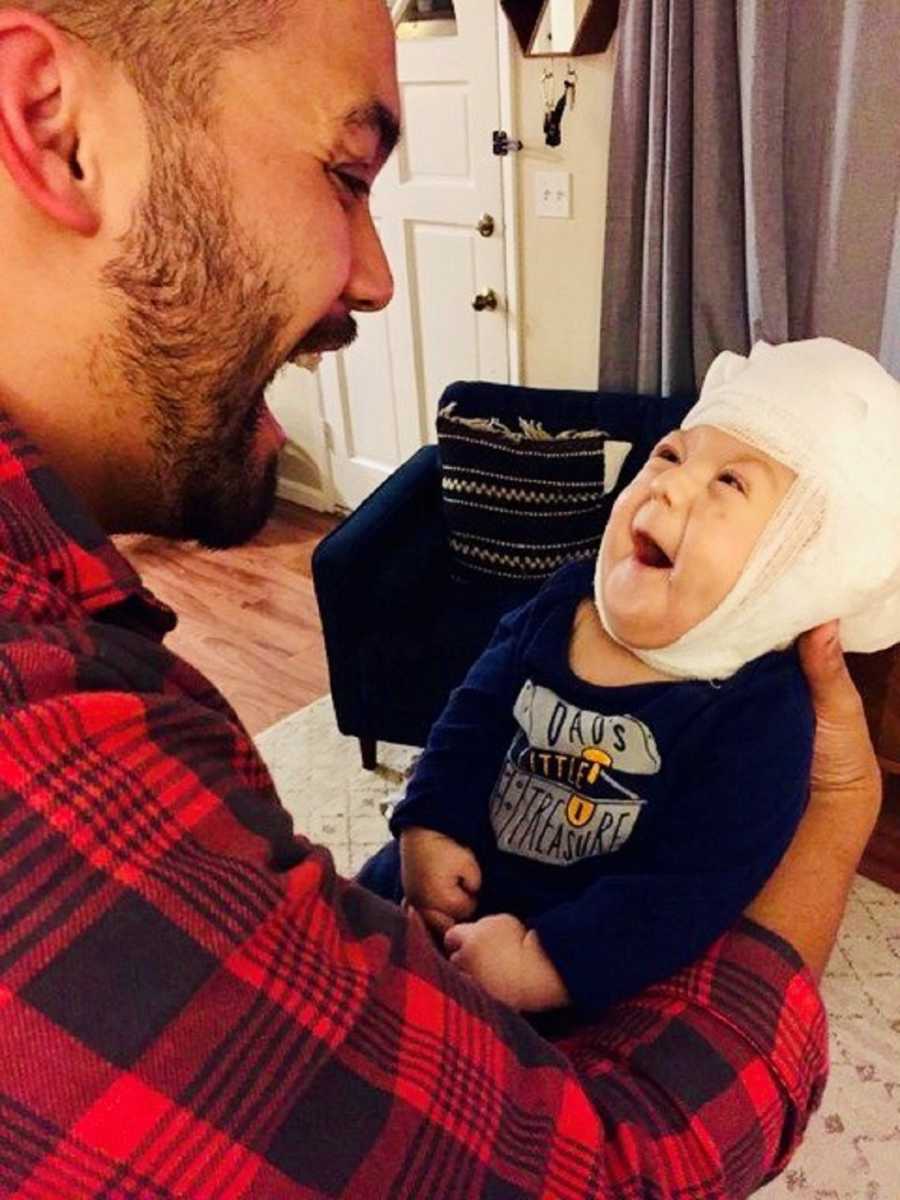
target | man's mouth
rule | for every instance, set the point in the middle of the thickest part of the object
(648, 552)
(330, 334)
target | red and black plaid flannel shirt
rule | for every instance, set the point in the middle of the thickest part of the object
(193, 1004)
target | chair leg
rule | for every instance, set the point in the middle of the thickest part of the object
(369, 749)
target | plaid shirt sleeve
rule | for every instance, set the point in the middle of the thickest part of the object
(193, 1004)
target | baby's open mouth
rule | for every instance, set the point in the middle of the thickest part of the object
(648, 553)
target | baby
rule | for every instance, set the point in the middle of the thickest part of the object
(626, 763)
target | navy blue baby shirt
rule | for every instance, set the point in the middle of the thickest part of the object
(629, 826)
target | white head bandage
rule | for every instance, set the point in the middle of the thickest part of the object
(832, 549)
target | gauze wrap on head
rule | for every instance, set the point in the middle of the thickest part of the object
(832, 548)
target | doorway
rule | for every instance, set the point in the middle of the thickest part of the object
(443, 209)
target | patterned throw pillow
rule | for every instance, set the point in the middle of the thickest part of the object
(522, 503)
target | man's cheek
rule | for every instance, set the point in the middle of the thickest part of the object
(303, 232)
(315, 226)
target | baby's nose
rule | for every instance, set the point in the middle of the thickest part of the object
(674, 486)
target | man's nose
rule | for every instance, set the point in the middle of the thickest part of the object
(370, 286)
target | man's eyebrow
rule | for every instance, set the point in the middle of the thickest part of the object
(377, 116)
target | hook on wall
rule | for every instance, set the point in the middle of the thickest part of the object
(555, 110)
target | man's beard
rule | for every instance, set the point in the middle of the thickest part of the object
(196, 348)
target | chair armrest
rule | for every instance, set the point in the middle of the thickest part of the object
(400, 523)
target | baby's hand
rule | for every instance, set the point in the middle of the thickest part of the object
(441, 878)
(508, 961)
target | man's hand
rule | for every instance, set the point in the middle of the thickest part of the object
(441, 878)
(804, 899)
(844, 762)
(508, 961)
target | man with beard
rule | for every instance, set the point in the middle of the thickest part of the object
(191, 1002)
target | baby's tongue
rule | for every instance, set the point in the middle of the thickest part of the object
(648, 553)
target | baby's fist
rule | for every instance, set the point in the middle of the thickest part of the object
(440, 877)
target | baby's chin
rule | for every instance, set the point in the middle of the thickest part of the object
(631, 630)
(640, 639)
(642, 631)
(637, 631)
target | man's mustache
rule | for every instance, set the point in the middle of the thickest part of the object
(331, 333)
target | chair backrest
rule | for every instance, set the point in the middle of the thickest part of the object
(641, 420)
(529, 475)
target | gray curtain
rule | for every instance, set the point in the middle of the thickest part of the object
(754, 187)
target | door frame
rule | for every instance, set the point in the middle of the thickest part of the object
(320, 495)
(506, 52)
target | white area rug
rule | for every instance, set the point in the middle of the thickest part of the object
(323, 786)
(852, 1148)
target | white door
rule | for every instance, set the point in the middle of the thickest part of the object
(380, 396)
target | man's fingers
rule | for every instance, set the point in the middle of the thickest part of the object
(833, 691)
(843, 756)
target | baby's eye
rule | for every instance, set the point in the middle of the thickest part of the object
(733, 481)
(666, 453)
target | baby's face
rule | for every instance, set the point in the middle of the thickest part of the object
(680, 535)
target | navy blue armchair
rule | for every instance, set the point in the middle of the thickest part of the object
(400, 631)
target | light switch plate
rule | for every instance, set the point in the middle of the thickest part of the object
(553, 194)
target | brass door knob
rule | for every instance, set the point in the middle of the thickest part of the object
(486, 226)
(486, 300)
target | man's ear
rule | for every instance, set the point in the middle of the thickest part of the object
(38, 125)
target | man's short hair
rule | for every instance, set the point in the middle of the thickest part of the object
(170, 48)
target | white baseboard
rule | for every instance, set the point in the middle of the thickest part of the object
(307, 497)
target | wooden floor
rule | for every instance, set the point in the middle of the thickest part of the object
(248, 618)
(249, 622)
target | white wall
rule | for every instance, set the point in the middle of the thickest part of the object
(305, 476)
(561, 262)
